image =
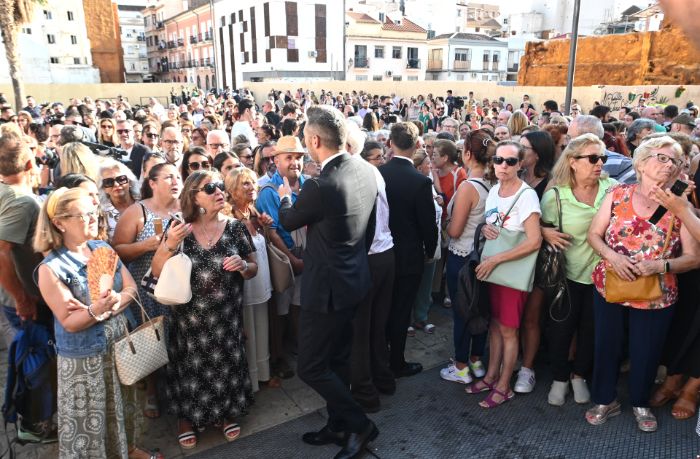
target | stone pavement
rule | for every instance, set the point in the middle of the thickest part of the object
(272, 406)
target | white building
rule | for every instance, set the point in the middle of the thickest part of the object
(270, 40)
(54, 47)
(133, 37)
(436, 16)
(466, 57)
(392, 50)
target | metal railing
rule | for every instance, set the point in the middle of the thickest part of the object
(180, 42)
(193, 39)
(413, 63)
(434, 64)
(361, 63)
(462, 65)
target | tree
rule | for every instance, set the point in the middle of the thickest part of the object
(13, 15)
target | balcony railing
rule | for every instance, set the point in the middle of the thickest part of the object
(180, 42)
(513, 68)
(140, 38)
(162, 45)
(413, 63)
(171, 44)
(206, 62)
(207, 36)
(434, 64)
(361, 63)
(193, 39)
(160, 25)
(462, 65)
(486, 65)
(494, 66)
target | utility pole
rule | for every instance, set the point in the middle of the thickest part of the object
(572, 56)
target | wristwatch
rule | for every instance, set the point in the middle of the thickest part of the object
(667, 266)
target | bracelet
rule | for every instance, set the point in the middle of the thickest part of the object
(92, 314)
(245, 266)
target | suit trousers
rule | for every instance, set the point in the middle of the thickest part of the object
(647, 333)
(403, 298)
(325, 342)
(370, 356)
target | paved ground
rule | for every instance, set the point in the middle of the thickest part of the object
(430, 418)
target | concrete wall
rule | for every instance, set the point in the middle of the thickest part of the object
(134, 93)
(665, 57)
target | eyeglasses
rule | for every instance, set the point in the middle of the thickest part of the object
(210, 188)
(665, 159)
(107, 126)
(123, 131)
(151, 135)
(195, 165)
(593, 159)
(86, 217)
(245, 156)
(216, 146)
(377, 158)
(109, 182)
(510, 161)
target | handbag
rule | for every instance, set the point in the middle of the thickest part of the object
(517, 274)
(141, 352)
(643, 288)
(550, 269)
(281, 272)
(473, 303)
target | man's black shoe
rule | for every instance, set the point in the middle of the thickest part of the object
(357, 442)
(408, 369)
(324, 436)
(369, 406)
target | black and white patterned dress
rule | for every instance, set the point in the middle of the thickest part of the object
(208, 380)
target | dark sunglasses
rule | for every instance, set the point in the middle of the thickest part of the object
(210, 188)
(107, 126)
(593, 159)
(195, 165)
(123, 131)
(151, 135)
(509, 161)
(109, 182)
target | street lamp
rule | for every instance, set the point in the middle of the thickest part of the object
(572, 56)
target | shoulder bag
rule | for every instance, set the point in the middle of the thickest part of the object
(281, 272)
(473, 303)
(173, 286)
(517, 274)
(643, 288)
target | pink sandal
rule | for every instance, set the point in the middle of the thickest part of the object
(489, 401)
(479, 386)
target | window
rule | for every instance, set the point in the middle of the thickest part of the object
(412, 78)
(381, 17)
(74, 40)
(397, 78)
(463, 58)
(435, 59)
(496, 59)
(377, 78)
(505, 21)
(27, 30)
(360, 77)
(76, 60)
(396, 52)
(70, 16)
(51, 39)
(54, 60)
(379, 52)
(47, 14)
(487, 58)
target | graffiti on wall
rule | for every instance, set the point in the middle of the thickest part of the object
(617, 99)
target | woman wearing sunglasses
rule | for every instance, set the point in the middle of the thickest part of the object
(512, 205)
(107, 133)
(195, 159)
(582, 185)
(118, 191)
(208, 377)
(631, 246)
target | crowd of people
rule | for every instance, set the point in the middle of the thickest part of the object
(379, 203)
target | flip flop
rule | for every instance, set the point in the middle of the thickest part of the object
(184, 440)
(232, 431)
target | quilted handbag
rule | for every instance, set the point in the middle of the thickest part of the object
(141, 351)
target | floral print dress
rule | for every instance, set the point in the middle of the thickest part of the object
(635, 237)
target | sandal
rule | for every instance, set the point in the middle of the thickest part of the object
(187, 439)
(491, 402)
(151, 410)
(429, 329)
(662, 396)
(686, 405)
(152, 454)
(232, 431)
(479, 386)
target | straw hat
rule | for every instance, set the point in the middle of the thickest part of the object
(288, 144)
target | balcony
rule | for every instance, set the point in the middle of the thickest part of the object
(434, 64)
(193, 39)
(361, 62)
(207, 36)
(494, 66)
(413, 63)
(462, 65)
(160, 25)
(206, 62)
(162, 45)
(513, 67)
(180, 42)
(140, 38)
(171, 44)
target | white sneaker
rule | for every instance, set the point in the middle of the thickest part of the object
(557, 394)
(526, 381)
(581, 393)
(452, 373)
(477, 368)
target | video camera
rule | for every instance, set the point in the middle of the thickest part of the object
(103, 150)
(50, 159)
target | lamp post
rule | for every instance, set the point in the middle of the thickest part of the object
(572, 56)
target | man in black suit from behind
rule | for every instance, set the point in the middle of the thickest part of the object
(415, 233)
(338, 209)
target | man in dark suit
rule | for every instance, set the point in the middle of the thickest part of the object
(135, 151)
(338, 209)
(413, 227)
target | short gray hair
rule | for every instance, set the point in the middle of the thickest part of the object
(329, 124)
(637, 126)
(109, 164)
(356, 139)
(589, 124)
(645, 149)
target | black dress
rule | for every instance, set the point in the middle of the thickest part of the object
(208, 380)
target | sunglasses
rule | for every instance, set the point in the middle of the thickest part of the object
(109, 182)
(593, 159)
(123, 131)
(195, 165)
(210, 188)
(107, 126)
(510, 161)
(151, 135)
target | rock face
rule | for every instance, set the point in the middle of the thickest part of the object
(102, 24)
(666, 57)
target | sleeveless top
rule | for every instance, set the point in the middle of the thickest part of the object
(633, 236)
(259, 288)
(464, 244)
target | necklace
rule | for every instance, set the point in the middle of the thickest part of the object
(210, 239)
(244, 215)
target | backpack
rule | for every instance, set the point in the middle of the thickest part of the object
(30, 392)
(473, 303)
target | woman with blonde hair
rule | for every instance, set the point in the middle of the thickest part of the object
(516, 123)
(107, 133)
(24, 119)
(76, 158)
(97, 416)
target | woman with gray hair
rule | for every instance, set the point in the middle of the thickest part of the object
(118, 190)
(632, 248)
(636, 132)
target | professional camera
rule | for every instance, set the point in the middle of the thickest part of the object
(50, 159)
(103, 150)
(458, 102)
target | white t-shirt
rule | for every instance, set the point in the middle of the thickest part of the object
(496, 208)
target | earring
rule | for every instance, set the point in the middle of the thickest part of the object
(202, 211)
(63, 230)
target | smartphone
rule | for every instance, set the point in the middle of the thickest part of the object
(176, 216)
(679, 187)
(158, 225)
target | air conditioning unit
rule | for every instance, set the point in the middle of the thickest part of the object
(388, 73)
(313, 53)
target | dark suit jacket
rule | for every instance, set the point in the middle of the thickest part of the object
(411, 215)
(137, 154)
(338, 209)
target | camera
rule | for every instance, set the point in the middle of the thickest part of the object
(50, 159)
(458, 102)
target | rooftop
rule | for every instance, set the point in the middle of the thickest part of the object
(465, 36)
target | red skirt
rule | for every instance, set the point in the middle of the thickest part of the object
(507, 305)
